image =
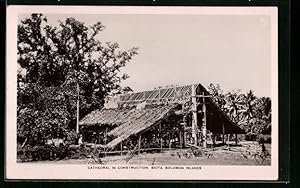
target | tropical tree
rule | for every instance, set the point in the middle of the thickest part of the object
(233, 105)
(217, 95)
(248, 111)
(63, 64)
(251, 113)
(262, 115)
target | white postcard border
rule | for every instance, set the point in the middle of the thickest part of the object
(16, 170)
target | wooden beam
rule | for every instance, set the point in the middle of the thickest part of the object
(228, 139)
(169, 141)
(204, 130)
(180, 138)
(193, 146)
(24, 143)
(183, 136)
(105, 137)
(236, 139)
(126, 151)
(160, 137)
(203, 96)
(139, 147)
(214, 139)
(194, 112)
(121, 148)
(223, 133)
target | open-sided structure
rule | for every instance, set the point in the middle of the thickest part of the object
(169, 117)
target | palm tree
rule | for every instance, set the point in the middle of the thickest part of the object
(217, 95)
(264, 114)
(249, 110)
(233, 105)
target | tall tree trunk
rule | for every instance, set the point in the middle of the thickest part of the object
(77, 115)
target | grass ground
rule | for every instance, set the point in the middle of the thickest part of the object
(246, 154)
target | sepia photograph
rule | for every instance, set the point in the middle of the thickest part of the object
(142, 88)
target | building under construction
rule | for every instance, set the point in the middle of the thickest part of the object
(174, 117)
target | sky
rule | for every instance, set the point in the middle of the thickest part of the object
(231, 50)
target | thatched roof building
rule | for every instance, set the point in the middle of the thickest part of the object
(129, 121)
(136, 113)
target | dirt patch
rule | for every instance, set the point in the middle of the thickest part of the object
(248, 153)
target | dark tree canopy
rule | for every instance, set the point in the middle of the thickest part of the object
(54, 59)
(251, 113)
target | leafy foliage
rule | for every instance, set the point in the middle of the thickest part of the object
(56, 60)
(46, 152)
(251, 113)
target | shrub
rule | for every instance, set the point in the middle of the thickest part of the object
(264, 138)
(24, 153)
(45, 152)
(52, 152)
(250, 137)
(71, 137)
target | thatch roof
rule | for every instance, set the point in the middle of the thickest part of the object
(140, 121)
(159, 104)
(130, 120)
(103, 116)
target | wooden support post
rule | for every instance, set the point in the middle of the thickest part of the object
(204, 130)
(228, 139)
(105, 136)
(180, 139)
(160, 138)
(185, 122)
(121, 148)
(236, 139)
(169, 141)
(223, 133)
(213, 137)
(194, 111)
(105, 139)
(99, 138)
(183, 138)
(139, 150)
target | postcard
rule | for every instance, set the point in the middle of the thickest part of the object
(141, 93)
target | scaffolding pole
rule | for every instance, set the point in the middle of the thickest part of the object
(204, 127)
(194, 111)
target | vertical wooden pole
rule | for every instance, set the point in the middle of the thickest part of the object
(77, 110)
(214, 139)
(105, 136)
(169, 141)
(121, 148)
(160, 137)
(236, 139)
(194, 111)
(99, 139)
(140, 137)
(180, 138)
(223, 133)
(228, 139)
(105, 139)
(204, 130)
(183, 135)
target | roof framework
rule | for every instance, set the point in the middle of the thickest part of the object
(160, 103)
(177, 94)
